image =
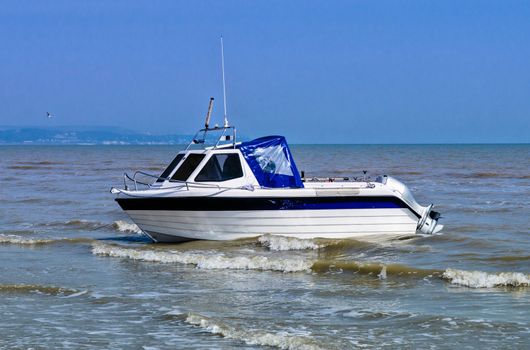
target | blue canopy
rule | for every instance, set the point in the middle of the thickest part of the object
(271, 162)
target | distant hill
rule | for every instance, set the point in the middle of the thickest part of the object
(85, 135)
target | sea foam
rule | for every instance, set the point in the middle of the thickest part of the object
(479, 279)
(124, 226)
(14, 239)
(215, 260)
(253, 337)
(31, 241)
(280, 243)
(205, 260)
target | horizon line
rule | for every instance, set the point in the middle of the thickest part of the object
(110, 143)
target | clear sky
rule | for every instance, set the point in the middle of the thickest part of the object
(314, 71)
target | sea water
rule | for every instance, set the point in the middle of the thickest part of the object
(75, 272)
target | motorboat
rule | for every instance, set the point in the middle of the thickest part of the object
(219, 188)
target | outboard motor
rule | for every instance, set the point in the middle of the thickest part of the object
(428, 222)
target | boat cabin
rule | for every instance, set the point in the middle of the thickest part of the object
(266, 162)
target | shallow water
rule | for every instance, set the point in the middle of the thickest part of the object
(76, 273)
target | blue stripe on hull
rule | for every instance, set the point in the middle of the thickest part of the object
(259, 203)
(341, 205)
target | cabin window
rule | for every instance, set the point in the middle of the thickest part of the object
(221, 167)
(170, 168)
(188, 166)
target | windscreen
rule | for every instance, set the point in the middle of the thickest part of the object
(170, 168)
(221, 167)
(187, 167)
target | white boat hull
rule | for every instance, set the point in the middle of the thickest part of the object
(179, 225)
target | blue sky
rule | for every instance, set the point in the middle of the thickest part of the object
(314, 71)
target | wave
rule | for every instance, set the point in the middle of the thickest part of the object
(281, 340)
(493, 209)
(32, 241)
(18, 232)
(29, 167)
(472, 279)
(30, 200)
(14, 239)
(508, 258)
(77, 224)
(82, 224)
(488, 175)
(124, 226)
(380, 270)
(479, 279)
(465, 241)
(32, 288)
(207, 260)
(284, 243)
(500, 175)
(214, 260)
(47, 201)
(405, 172)
(41, 162)
(280, 243)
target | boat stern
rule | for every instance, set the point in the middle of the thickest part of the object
(428, 223)
(428, 218)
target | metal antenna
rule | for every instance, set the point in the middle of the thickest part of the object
(224, 84)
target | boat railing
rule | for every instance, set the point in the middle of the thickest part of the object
(227, 133)
(179, 183)
(326, 179)
(137, 182)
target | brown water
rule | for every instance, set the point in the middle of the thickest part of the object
(76, 273)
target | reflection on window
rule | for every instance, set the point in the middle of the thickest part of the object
(188, 166)
(170, 168)
(221, 167)
(273, 160)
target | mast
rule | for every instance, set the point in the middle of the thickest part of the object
(224, 84)
(209, 113)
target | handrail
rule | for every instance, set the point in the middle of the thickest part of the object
(155, 177)
(181, 183)
(204, 131)
(188, 184)
(133, 179)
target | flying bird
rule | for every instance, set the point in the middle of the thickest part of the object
(49, 115)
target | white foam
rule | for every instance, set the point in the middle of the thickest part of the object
(382, 274)
(124, 226)
(14, 239)
(205, 260)
(83, 292)
(253, 337)
(279, 243)
(479, 279)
